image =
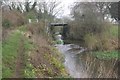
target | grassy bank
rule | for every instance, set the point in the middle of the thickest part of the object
(100, 65)
(9, 54)
(106, 47)
(50, 60)
(39, 59)
(106, 54)
(113, 54)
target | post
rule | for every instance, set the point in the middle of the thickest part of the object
(29, 20)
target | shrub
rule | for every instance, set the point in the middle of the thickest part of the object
(104, 42)
(12, 18)
(90, 41)
(6, 23)
(36, 28)
(99, 42)
(31, 15)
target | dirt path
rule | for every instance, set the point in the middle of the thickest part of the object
(20, 64)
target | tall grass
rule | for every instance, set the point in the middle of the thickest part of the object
(100, 65)
(114, 31)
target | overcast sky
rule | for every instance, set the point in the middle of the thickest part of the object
(66, 7)
(64, 3)
(67, 3)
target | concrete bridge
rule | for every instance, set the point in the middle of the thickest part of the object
(65, 28)
(58, 24)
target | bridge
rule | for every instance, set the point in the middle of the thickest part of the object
(65, 28)
(58, 24)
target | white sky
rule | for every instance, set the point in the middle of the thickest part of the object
(66, 7)
(67, 3)
(64, 3)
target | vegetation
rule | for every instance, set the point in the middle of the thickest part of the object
(27, 48)
(9, 53)
(12, 19)
(114, 10)
(106, 54)
(29, 70)
(114, 31)
(91, 28)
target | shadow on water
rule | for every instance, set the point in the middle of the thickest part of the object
(83, 65)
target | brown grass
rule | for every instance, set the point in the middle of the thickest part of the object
(36, 28)
(98, 68)
(15, 18)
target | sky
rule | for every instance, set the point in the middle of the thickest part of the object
(67, 3)
(64, 3)
(66, 7)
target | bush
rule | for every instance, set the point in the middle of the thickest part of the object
(12, 18)
(31, 15)
(99, 42)
(90, 41)
(6, 23)
(104, 42)
(36, 28)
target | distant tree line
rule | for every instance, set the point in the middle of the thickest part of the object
(35, 9)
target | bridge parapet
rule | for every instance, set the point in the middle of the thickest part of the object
(58, 24)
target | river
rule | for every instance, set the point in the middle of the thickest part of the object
(83, 65)
(72, 62)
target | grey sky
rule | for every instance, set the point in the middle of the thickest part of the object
(64, 3)
(66, 7)
(67, 3)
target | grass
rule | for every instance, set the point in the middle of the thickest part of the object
(9, 54)
(29, 71)
(56, 60)
(10, 47)
(22, 28)
(111, 54)
(114, 31)
(106, 55)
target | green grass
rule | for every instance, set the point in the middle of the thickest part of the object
(111, 54)
(29, 71)
(56, 61)
(114, 31)
(9, 53)
(23, 28)
(106, 55)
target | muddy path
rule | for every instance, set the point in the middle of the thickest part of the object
(20, 64)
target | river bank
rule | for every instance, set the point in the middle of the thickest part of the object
(39, 59)
(81, 64)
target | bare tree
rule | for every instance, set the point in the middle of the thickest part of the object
(103, 9)
(49, 9)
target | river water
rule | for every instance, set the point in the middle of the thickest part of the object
(82, 65)
(72, 62)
